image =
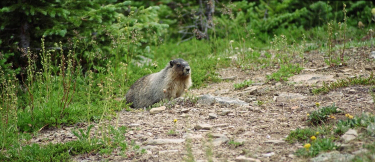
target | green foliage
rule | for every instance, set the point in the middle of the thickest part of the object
(300, 135)
(322, 115)
(285, 72)
(243, 84)
(345, 83)
(317, 146)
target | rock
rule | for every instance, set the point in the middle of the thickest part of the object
(287, 97)
(209, 100)
(372, 54)
(311, 78)
(352, 91)
(275, 141)
(220, 141)
(239, 130)
(250, 99)
(349, 135)
(212, 116)
(245, 159)
(253, 90)
(240, 141)
(184, 110)
(168, 152)
(133, 125)
(192, 136)
(184, 115)
(332, 156)
(268, 154)
(164, 141)
(203, 127)
(157, 110)
(361, 151)
(225, 112)
(369, 68)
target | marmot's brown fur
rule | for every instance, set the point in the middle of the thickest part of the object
(170, 82)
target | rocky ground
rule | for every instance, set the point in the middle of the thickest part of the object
(238, 125)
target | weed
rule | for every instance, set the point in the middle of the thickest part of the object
(322, 115)
(317, 146)
(300, 135)
(234, 144)
(243, 84)
(285, 72)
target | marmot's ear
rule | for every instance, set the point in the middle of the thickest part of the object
(171, 63)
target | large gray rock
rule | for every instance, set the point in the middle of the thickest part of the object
(209, 99)
(332, 156)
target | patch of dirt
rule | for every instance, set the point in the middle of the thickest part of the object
(261, 126)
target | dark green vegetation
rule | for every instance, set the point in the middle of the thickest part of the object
(64, 62)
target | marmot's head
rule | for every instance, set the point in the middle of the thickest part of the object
(181, 67)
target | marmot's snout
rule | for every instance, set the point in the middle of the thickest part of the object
(187, 70)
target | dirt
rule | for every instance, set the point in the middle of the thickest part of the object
(261, 126)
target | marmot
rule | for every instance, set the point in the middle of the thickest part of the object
(170, 82)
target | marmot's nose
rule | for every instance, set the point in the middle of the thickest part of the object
(187, 69)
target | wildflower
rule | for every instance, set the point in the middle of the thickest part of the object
(317, 104)
(307, 146)
(317, 133)
(332, 117)
(313, 138)
(347, 115)
(175, 120)
(350, 117)
(308, 114)
(231, 41)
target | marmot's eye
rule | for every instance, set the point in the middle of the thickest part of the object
(178, 65)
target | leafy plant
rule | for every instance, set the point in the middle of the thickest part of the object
(322, 115)
(243, 84)
(285, 72)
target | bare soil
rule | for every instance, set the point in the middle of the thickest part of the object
(262, 126)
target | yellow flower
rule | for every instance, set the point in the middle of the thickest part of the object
(317, 133)
(307, 146)
(332, 117)
(347, 115)
(313, 138)
(350, 117)
(175, 120)
(317, 104)
(308, 114)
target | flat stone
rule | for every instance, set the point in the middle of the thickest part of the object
(220, 141)
(311, 78)
(164, 141)
(229, 78)
(209, 100)
(268, 154)
(288, 97)
(193, 136)
(246, 159)
(184, 110)
(216, 135)
(225, 112)
(361, 151)
(157, 110)
(212, 116)
(168, 152)
(253, 90)
(275, 141)
(349, 135)
(203, 127)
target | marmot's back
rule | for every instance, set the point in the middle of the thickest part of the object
(170, 82)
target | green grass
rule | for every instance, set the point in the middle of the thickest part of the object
(322, 115)
(285, 72)
(243, 84)
(345, 83)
